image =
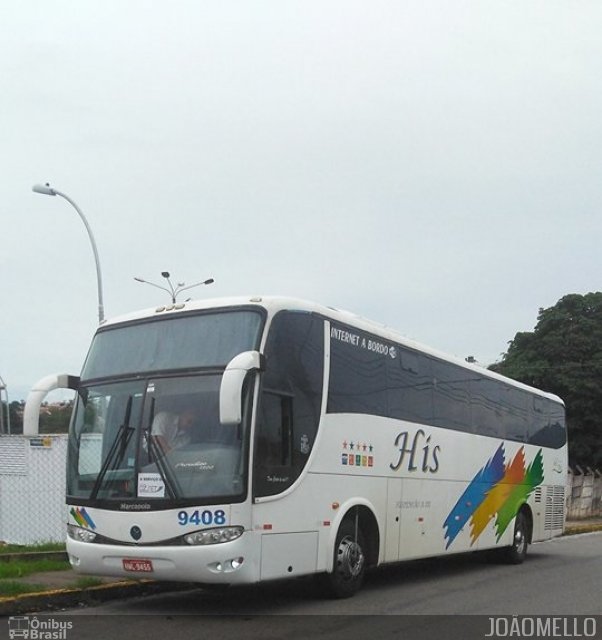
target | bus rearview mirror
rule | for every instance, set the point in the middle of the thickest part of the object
(230, 393)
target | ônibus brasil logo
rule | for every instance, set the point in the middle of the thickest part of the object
(35, 629)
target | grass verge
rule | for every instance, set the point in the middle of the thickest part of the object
(86, 582)
(22, 568)
(21, 548)
(11, 588)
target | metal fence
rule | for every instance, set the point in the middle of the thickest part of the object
(32, 489)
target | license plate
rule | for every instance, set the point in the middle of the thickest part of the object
(138, 566)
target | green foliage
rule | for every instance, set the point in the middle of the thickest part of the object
(16, 416)
(13, 588)
(54, 418)
(563, 355)
(21, 568)
(85, 582)
(31, 548)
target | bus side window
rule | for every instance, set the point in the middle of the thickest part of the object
(487, 407)
(547, 428)
(410, 387)
(275, 426)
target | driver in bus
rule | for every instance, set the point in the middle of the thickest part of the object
(173, 430)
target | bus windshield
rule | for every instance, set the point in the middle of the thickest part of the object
(159, 438)
(146, 421)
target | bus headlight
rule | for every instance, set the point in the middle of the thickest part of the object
(214, 536)
(79, 534)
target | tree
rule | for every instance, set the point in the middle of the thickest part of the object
(16, 416)
(15, 410)
(563, 355)
(54, 418)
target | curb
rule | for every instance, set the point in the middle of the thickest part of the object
(582, 528)
(61, 598)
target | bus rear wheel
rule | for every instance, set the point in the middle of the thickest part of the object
(517, 551)
(349, 564)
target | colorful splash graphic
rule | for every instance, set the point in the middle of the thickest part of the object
(497, 491)
(82, 518)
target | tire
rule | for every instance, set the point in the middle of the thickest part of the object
(349, 566)
(517, 551)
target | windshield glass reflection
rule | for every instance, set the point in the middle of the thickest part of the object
(154, 439)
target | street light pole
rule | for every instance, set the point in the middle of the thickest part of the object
(49, 191)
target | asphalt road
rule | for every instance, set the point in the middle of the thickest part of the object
(559, 578)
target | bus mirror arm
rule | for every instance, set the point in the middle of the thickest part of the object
(31, 414)
(230, 393)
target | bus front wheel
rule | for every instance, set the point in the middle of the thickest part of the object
(349, 561)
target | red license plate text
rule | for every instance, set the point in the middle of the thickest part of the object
(138, 566)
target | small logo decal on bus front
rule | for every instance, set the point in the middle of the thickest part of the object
(83, 518)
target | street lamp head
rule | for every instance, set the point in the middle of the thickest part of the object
(174, 291)
(44, 189)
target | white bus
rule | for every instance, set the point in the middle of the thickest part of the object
(315, 442)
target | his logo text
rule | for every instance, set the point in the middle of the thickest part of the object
(416, 453)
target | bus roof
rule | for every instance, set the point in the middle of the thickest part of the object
(273, 304)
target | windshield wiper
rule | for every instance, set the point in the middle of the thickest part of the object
(120, 444)
(157, 454)
(165, 470)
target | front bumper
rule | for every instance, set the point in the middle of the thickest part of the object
(235, 562)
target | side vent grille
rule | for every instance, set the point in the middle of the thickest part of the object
(554, 518)
(537, 496)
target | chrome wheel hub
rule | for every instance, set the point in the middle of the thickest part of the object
(350, 558)
(519, 541)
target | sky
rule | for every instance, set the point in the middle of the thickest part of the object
(435, 166)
